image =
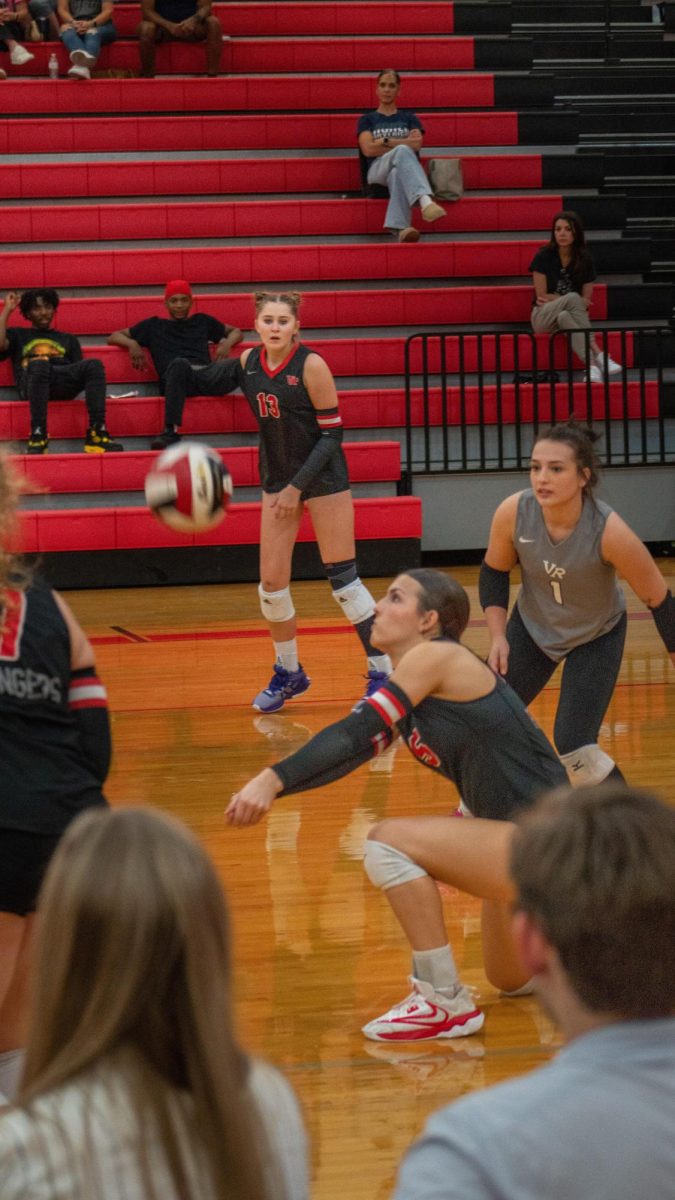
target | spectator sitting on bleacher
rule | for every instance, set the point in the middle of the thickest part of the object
(179, 349)
(86, 25)
(134, 1086)
(594, 921)
(390, 140)
(182, 21)
(14, 26)
(43, 12)
(48, 365)
(563, 274)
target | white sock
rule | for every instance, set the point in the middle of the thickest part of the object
(425, 201)
(438, 968)
(287, 654)
(379, 662)
(11, 1066)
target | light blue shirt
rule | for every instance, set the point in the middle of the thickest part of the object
(597, 1123)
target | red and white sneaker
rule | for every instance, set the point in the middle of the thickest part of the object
(427, 1014)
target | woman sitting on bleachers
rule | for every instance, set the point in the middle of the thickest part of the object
(86, 25)
(563, 274)
(134, 1087)
(390, 139)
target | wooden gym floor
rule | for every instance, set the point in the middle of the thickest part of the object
(317, 951)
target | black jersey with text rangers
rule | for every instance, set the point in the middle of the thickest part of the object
(44, 778)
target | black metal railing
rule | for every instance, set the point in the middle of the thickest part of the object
(475, 399)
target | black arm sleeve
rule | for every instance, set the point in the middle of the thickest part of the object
(327, 446)
(493, 587)
(344, 746)
(89, 708)
(664, 619)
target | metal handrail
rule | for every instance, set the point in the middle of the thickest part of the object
(475, 398)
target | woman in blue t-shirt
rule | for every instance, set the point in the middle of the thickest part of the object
(390, 140)
(563, 273)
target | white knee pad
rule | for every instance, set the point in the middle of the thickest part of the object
(276, 606)
(356, 602)
(587, 765)
(387, 867)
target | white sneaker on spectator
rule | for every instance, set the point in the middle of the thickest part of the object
(82, 58)
(595, 375)
(609, 366)
(19, 55)
(79, 72)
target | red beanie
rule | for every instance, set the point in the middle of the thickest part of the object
(177, 287)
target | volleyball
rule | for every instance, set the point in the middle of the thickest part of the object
(189, 487)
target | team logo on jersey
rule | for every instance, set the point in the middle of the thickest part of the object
(12, 619)
(421, 751)
(553, 571)
(292, 380)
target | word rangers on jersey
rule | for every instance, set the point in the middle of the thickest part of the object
(24, 684)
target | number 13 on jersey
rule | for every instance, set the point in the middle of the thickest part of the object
(268, 405)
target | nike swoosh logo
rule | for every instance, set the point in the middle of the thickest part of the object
(525, 539)
(251, 372)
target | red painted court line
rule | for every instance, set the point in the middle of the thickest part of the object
(127, 637)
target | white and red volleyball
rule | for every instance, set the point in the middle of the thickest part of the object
(189, 487)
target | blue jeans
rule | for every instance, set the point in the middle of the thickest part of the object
(400, 171)
(91, 41)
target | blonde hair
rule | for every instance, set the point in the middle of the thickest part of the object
(133, 955)
(292, 299)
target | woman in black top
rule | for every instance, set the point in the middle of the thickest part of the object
(460, 720)
(292, 395)
(54, 751)
(563, 274)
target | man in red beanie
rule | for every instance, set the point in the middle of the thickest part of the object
(179, 349)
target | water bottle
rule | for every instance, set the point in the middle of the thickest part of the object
(53, 67)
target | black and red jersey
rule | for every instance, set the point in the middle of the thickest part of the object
(289, 424)
(44, 778)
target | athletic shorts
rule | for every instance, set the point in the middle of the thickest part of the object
(24, 858)
(332, 479)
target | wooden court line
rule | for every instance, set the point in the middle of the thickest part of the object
(125, 637)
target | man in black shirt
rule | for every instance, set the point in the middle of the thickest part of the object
(182, 21)
(48, 365)
(179, 349)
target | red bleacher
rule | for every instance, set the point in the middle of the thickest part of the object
(367, 461)
(279, 218)
(58, 530)
(296, 76)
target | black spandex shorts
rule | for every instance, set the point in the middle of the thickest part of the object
(24, 858)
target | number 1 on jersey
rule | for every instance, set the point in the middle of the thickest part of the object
(557, 590)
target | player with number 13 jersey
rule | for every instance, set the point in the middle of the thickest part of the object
(292, 394)
(290, 426)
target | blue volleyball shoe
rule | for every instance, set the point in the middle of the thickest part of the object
(284, 685)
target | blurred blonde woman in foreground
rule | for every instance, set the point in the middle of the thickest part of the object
(134, 1087)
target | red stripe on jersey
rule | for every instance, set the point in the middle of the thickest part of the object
(12, 619)
(329, 419)
(273, 371)
(387, 706)
(87, 692)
